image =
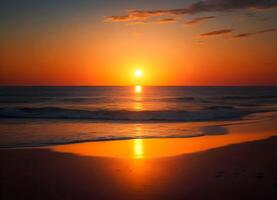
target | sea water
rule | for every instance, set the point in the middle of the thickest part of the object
(35, 116)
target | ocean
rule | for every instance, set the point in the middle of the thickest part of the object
(37, 116)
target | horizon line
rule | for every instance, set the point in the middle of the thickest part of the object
(246, 85)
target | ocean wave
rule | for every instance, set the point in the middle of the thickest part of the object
(206, 114)
(93, 139)
(108, 99)
(250, 97)
(77, 100)
(10, 100)
(213, 129)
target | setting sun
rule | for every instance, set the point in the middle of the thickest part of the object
(161, 99)
(138, 73)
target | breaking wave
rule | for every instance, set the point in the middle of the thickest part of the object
(206, 114)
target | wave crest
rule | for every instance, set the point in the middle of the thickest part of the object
(207, 114)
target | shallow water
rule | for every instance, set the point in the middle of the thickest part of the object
(34, 116)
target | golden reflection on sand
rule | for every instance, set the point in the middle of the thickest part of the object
(138, 148)
(152, 148)
(136, 158)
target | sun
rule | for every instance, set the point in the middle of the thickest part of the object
(138, 73)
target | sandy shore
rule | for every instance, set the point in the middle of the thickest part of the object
(231, 166)
(241, 171)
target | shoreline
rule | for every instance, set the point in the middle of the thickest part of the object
(241, 164)
(212, 128)
(246, 170)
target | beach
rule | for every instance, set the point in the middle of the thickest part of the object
(239, 165)
(138, 100)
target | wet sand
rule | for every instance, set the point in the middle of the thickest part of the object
(241, 171)
(231, 166)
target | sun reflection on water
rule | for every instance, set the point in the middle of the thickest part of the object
(138, 89)
(138, 106)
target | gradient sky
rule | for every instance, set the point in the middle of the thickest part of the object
(175, 42)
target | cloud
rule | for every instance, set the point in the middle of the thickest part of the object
(133, 15)
(242, 35)
(137, 23)
(216, 33)
(228, 5)
(236, 36)
(158, 21)
(198, 7)
(118, 18)
(165, 21)
(198, 20)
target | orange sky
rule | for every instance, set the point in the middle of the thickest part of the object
(211, 48)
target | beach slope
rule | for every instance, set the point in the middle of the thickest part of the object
(240, 171)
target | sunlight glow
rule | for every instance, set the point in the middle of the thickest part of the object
(138, 73)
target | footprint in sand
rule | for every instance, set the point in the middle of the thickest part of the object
(274, 182)
(236, 174)
(259, 176)
(219, 174)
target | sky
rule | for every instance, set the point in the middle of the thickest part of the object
(174, 42)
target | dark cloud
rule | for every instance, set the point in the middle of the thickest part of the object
(198, 7)
(165, 21)
(242, 35)
(228, 5)
(135, 15)
(157, 21)
(198, 20)
(216, 33)
(118, 19)
(229, 31)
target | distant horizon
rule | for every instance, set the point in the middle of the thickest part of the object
(140, 85)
